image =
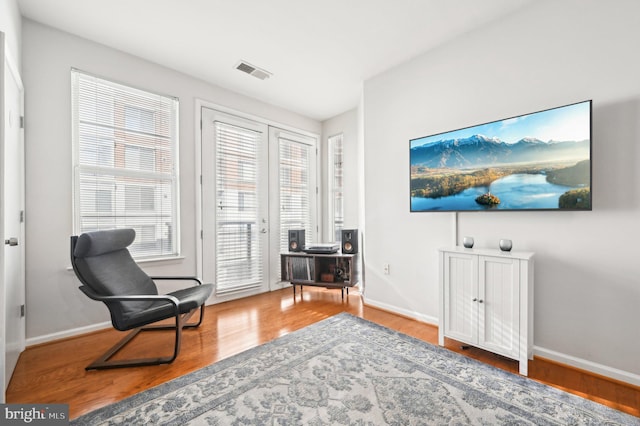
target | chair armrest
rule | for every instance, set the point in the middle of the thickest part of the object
(178, 278)
(132, 297)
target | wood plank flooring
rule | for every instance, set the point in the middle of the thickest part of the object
(54, 372)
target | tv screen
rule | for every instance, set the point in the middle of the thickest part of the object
(537, 161)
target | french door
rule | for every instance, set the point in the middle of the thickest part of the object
(257, 182)
(293, 170)
(235, 203)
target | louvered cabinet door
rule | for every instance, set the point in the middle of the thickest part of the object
(460, 289)
(499, 305)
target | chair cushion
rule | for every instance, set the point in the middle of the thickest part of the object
(189, 298)
(101, 242)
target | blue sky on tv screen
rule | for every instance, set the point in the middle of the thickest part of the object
(568, 123)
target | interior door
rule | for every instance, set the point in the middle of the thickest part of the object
(235, 185)
(13, 218)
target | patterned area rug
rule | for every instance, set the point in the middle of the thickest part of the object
(348, 371)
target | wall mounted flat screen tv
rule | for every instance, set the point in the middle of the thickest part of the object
(537, 161)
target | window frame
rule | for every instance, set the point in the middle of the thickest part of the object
(166, 178)
(331, 187)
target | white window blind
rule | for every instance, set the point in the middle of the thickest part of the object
(125, 163)
(336, 201)
(296, 190)
(239, 252)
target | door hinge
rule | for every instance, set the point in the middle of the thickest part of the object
(22, 311)
(21, 216)
(22, 121)
(201, 234)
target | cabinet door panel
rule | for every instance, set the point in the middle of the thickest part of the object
(499, 298)
(460, 288)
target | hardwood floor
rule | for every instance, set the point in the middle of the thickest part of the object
(54, 372)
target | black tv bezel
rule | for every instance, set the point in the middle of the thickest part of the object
(590, 101)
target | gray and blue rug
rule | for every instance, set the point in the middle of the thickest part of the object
(348, 371)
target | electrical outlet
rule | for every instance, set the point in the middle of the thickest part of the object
(385, 268)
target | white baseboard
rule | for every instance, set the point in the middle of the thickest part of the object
(583, 364)
(593, 367)
(411, 314)
(67, 333)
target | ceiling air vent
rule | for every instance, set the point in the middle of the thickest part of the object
(253, 70)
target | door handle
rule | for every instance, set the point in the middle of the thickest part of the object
(13, 241)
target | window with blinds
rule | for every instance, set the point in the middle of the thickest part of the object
(125, 163)
(296, 190)
(336, 201)
(239, 251)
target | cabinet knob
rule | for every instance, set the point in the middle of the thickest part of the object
(475, 299)
(480, 301)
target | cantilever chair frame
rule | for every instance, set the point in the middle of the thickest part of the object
(180, 321)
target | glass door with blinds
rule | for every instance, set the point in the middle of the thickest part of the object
(235, 204)
(293, 168)
(257, 183)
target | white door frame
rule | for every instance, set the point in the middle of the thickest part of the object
(199, 105)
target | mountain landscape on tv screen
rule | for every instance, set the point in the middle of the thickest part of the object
(480, 172)
(482, 151)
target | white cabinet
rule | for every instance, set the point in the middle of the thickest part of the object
(486, 300)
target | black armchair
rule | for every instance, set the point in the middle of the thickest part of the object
(109, 274)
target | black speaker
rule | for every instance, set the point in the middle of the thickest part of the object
(349, 241)
(296, 239)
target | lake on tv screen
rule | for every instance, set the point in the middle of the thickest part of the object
(517, 191)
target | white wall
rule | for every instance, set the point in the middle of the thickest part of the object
(587, 272)
(54, 304)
